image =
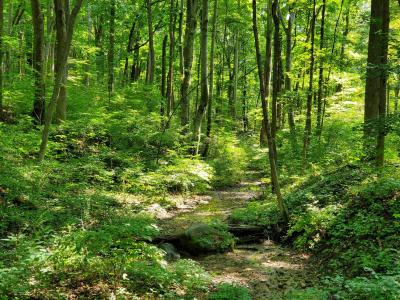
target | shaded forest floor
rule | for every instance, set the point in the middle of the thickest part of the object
(267, 269)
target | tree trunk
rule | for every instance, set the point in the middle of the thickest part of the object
(271, 152)
(396, 96)
(61, 40)
(86, 78)
(277, 76)
(190, 32)
(376, 81)
(321, 73)
(267, 68)
(180, 32)
(170, 79)
(63, 24)
(163, 75)
(152, 59)
(233, 97)
(38, 111)
(1, 54)
(288, 80)
(307, 129)
(110, 55)
(98, 42)
(204, 73)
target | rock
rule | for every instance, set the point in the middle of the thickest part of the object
(170, 251)
(203, 238)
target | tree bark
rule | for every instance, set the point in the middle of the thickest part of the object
(38, 111)
(271, 152)
(307, 129)
(170, 79)
(62, 24)
(204, 73)
(376, 81)
(163, 75)
(110, 55)
(267, 68)
(1, 53)
(321, 73)
(190, 32)
(152, 59)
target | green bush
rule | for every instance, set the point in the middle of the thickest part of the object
(228, 159)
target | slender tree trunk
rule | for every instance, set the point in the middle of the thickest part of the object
(87, 76)
(271, 152)
(152, 59)
(277, 85)
(204, 73)
(307, 129)
(321, 73)
(233, 98)
(98, 42)
(170, 80)
(63, 24)
(163, 75)
(345, 34)
(267, 68)
(1, 53)
(288, 80)
(190, 32)
(376, 81)
(129, 49)
(38, 111)
(180, 33)
(110, 55)
(61, 40)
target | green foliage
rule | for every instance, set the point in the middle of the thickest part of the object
(205, 238)
(228, 159)
(227, 291)
(257, 213)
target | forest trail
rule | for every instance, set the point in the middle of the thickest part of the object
(268, 269)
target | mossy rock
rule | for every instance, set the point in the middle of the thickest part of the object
(207, 238)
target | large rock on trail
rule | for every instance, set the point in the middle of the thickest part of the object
(206, 238)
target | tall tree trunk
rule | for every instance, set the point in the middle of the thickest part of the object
(180, 37)
(376, 81)
(277, 76)
(61, 40)
(129, 49)
(211, 84)
(233, 96)
(271, 152)
(163, 75)
(321, 72)
(267, 68)
(288, 80)
(1, 53)
(307, 128)
(190, 32)
(38, 111)
(63, 24)
(110, 55)
(152, 59)
(170, 79)
(86, 78)
(204, 73)
(345, 34)
(396, 95)
(98, 42)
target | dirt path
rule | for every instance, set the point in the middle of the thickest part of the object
(269, 270)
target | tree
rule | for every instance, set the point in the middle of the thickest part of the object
(38, 111)
(110, 56)
(271, 152)
(211, 86)
(307, 128)
(151, 59)
(190, 32)
(204, 73)
(376, 81)
(65, 26)
(321, 72)
(1, 53)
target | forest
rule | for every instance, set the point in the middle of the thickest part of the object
(200, 149)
